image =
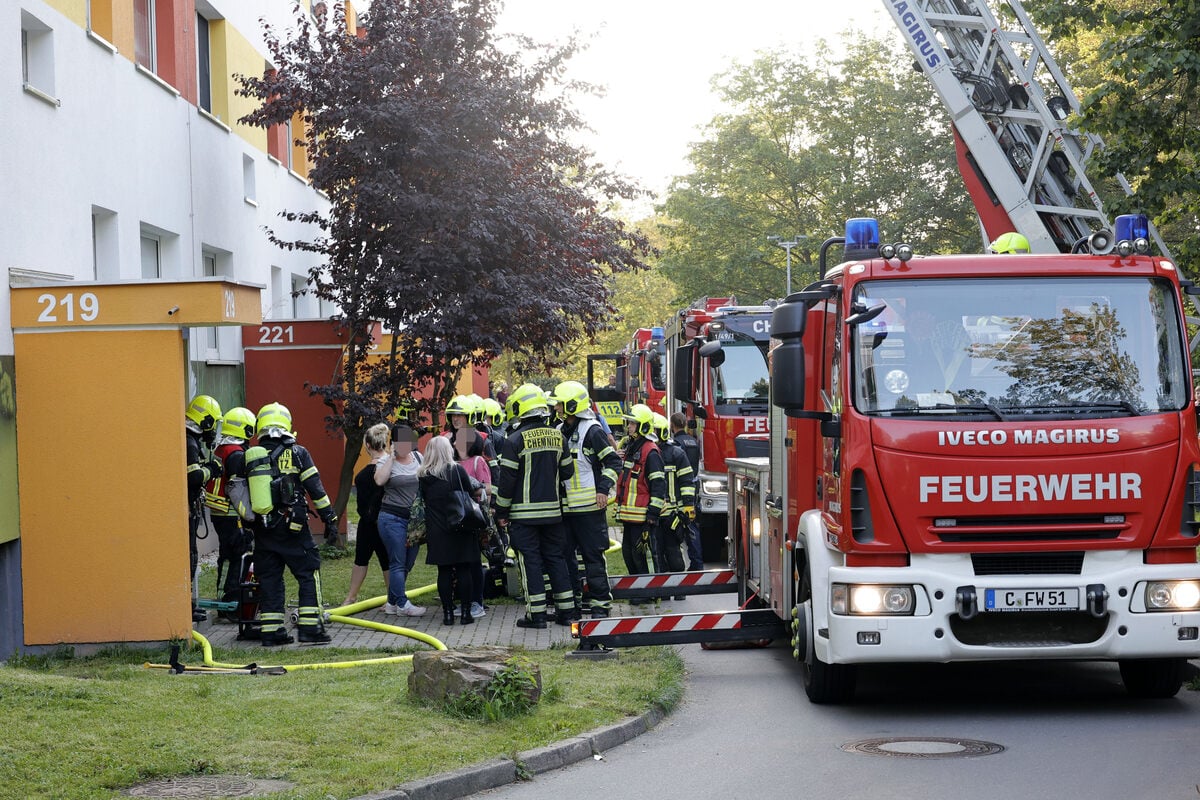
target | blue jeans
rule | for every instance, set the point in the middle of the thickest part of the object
(393, 530)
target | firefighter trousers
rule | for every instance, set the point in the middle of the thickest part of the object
(233, 543)
(274, 549)
(672, 531)
(540, 550)
(638, 548)
(587, 535)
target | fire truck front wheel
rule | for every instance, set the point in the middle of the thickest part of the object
(825, 684)
(1153, 677)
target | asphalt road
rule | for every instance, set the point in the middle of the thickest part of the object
(747, 730)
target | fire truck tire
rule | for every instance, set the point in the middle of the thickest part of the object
(1153, 677)
(825, 684)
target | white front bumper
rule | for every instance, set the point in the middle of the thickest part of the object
(1125, 631)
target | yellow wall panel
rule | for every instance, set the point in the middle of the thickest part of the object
(241, 59)
(75, 10)
(103, 488)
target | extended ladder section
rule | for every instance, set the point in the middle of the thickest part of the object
(709, 627)
(1008, 100)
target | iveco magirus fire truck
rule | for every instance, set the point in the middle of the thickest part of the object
(979, 458)
(971, 457)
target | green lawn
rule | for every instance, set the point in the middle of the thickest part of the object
(90, 727)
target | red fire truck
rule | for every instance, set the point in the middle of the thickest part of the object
(716, 351)
(971, 458)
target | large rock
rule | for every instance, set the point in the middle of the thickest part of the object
(440, 674)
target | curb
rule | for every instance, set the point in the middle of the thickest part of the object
(503, 771)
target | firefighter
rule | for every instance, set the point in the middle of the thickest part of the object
(237, 428)
(681, 494)
(1010, 243)
(201, 418)
(595, 465)
(532, 467)
(691, 448)
(466, 411)
(641, 491)
(285, 470)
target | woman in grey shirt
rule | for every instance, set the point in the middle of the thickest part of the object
(397, 474)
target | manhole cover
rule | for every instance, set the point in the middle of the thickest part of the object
(923, 747)
(206, 787)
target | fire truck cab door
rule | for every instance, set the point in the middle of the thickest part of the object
(831, 397)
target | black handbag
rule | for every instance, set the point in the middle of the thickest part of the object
(463, 512)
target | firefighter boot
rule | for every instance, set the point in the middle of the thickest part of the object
(313, 634)
(535, 620)
(276, 637)
(464, 615)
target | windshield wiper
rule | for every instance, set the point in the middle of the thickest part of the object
(948, 407)
(1120, 405)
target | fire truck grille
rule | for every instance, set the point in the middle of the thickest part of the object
(1070, 563)
(1026, 529)
(1029, 629)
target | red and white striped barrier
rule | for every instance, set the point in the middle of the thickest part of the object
(670, 622)
(668, 583)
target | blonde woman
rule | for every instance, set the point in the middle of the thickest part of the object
(454, 551)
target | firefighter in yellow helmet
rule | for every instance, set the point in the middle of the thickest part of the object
(201, 418)
(641, 491)
(681, 494)
(281, 472)
(532, 467)
(234, 540)
(1010, 243)
(595, 466)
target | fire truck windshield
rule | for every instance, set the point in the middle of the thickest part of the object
(742, 377)
(1006, 346)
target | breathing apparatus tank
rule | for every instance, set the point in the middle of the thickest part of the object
(259, 476)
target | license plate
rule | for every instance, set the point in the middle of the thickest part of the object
(1031, 600)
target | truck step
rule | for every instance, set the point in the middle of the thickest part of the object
(715, 626)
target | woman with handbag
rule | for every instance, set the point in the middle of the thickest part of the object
(451, 526)
(469, 450)
(396, 472)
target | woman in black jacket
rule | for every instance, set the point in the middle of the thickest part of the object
(454, 551)
(369, 496)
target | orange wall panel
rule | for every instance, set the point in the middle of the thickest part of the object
(103, 487)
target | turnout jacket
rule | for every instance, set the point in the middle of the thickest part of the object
(531, 469)
(197, 469)
(595, 465)
(642, 487)
(681, 487)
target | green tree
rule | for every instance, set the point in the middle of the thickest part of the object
(808, 142)
(1140, 68)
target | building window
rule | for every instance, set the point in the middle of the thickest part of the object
(143, 34)
(208, 261)
(151, 255)
(299, 297)
(37, 55)
(106, 254)
(249, 182)
(204, 64)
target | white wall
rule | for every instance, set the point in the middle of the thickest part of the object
(122, 142)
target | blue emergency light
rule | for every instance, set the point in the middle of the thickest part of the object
(1132, 234)
(1132, 226)
(862, 238)
(657, 333)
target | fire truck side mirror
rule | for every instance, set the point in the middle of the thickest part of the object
(787, 359)
(681, 376)
(713, 352)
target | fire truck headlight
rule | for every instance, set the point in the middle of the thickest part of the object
(872, 600)
(710, 486)
(1172, 595)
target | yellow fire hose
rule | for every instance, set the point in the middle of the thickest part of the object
(340, 614)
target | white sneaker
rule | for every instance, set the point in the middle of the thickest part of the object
(410, 610)
(477, 611)
(388, 608)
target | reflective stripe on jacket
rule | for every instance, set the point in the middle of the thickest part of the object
(643, 484)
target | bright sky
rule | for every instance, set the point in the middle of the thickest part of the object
(655, 59)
